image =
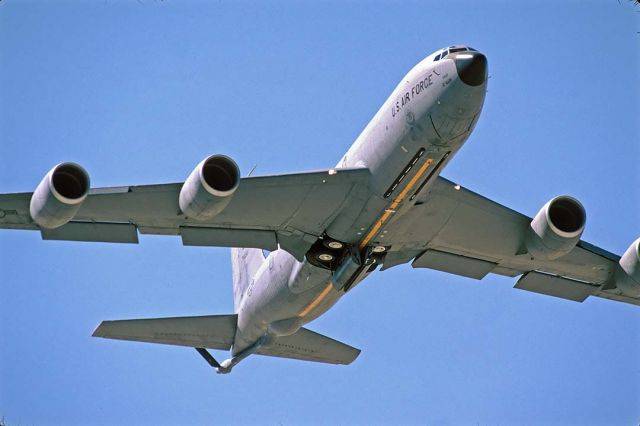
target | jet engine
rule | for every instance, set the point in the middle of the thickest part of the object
(59, 195)
(627, 274)
(556, 229)
(209, 188)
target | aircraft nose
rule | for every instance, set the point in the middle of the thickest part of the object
(471, 67)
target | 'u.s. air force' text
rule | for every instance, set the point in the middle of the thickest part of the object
(417, 89)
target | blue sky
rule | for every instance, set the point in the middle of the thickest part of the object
(140, 91)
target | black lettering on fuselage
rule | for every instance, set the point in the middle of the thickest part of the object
(395, 108)
(421, 86)
(405, 99)
(416, 90)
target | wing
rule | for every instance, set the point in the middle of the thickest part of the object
(289, 211)
(457, 231)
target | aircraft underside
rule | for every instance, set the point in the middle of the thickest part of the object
(384, 204)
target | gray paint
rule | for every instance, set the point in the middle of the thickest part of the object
(414, 213)
(454, 264)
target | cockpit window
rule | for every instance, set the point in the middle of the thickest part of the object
(451, 49)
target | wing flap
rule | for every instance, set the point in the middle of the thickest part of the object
(552, 285)
(211, 331)
(199, 236)
(454, 264)
(307, 345)
(91, 231)
(14, 211)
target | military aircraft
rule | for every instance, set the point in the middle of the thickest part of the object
(384, 204)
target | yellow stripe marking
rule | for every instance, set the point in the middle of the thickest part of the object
(388, 212)
(316, 301)
(374, 230)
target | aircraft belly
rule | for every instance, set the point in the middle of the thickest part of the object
(331, 299)
(406, 145)
(270, 299)
(429, 115)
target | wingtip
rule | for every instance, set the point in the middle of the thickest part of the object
(99, 330)
(356, 354)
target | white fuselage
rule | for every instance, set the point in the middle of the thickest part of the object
(431, 111)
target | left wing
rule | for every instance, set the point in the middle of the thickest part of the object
(457, 231)
(307, 345)
(289, 210)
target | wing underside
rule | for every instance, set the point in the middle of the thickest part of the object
(454, 230)
(289, 211)
(447, 228)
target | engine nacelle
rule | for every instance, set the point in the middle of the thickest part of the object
(627, 274)
(209, 188)
(59, 195)
(557, 228)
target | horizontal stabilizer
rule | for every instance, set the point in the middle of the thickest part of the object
(210, 331)
(307, 345)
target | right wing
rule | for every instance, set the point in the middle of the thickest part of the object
(289, 210)
(210, 331)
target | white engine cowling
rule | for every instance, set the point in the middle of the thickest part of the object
(59, 195)
(209, 188)
(628, 271)
(557, 228)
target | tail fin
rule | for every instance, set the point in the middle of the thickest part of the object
(245, 263)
